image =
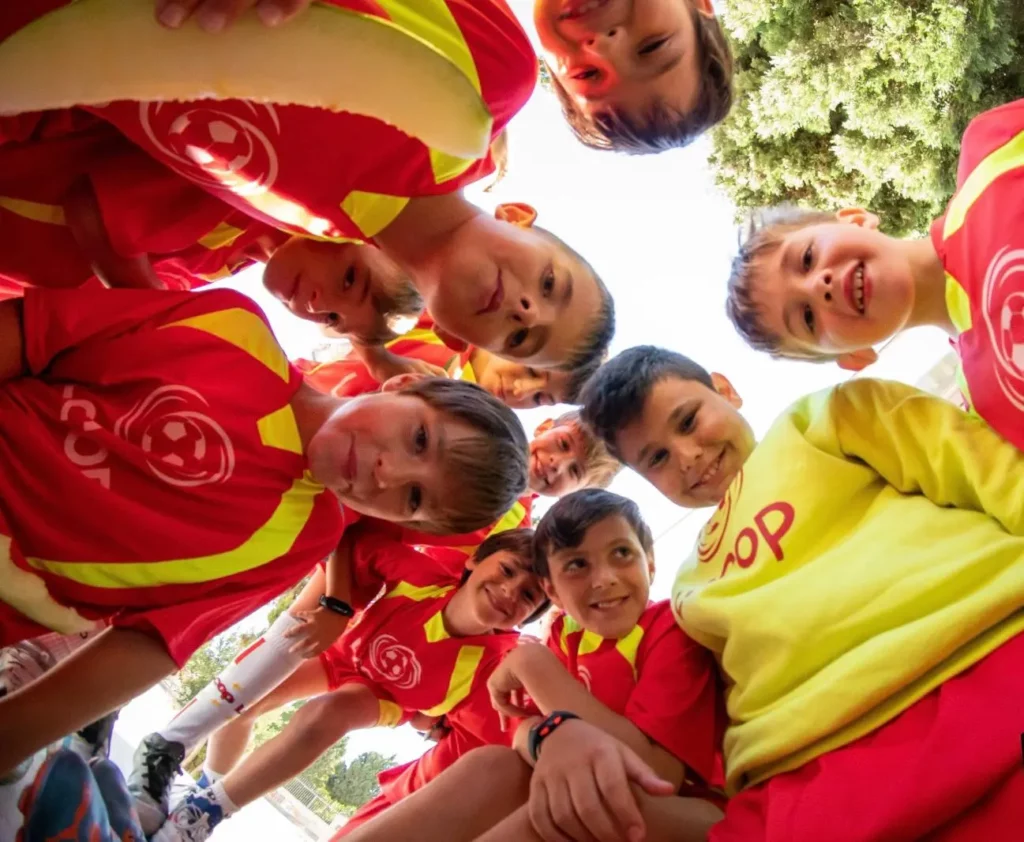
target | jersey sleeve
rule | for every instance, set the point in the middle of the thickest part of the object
(988, 131)
(378, 559)
(57, 320)
(677, 701)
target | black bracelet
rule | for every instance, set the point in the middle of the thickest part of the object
(338, 606)
(542, 730)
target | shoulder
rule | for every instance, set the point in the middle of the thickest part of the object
(987, 132)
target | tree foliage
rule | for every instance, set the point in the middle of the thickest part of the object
(208, 662)
(862, 102)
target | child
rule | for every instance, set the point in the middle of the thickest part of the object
(615, 660)
(159, 409)
(812, 286)
(636, 77)
(861, 585)
(428, 644)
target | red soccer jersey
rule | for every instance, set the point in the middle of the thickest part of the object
(155, 474)
(658, 678)
(254, 158)
(980, 241)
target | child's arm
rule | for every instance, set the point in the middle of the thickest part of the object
(322, 626)
(12, 340)
(383, 364)
(535, 669)
(920, 444)
(100, 677)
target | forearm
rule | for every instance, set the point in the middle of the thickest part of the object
(338, 571)
(12, 340)
(100, 677)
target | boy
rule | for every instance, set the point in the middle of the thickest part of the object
(640, 77)
(428, 644)
(161, 408)
(615, 660)
(811, 286)
(861, 585)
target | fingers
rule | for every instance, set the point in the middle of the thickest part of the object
(618, 798)
(276, 12)
(218, 15)
(541, 817)
(593, 818)
(173, 13)
(644, 776)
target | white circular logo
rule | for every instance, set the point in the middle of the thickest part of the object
(184, 446)
(397, 663)
(215, 146)
(584, 676)
(1003, 312)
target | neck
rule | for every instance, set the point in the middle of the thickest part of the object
(479, 360)
(929, 286)
(459, 622)
(312, 409)
(420, 231)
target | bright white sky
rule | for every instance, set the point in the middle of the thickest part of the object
(662, 236)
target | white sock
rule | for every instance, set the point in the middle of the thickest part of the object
(212, 775)
(256, 671)
(220, 795)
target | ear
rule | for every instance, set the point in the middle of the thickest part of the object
(449, 340)
(400, 381)
(726, 390)
(858, 216)
(705, 7)
(543, 427)
(549, 589)
(857, 360)
(516, 213)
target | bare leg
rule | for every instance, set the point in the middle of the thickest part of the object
(668, 819)
(313, 730)
(228, 743)
(479, 791)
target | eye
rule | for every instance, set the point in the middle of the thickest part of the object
(575, 472)
(529, 597)
(657, 458)
(507, 571)
(622, 552)
(333, 319)
(415, 499)
(807, 259)
(652, 46)
(543, 399)
(809, 318)
(350, 277)
(420, 440)
(547, 285)
(687, 424)
(532, 372)
(563, 443)
(575, 564)
(518, 338)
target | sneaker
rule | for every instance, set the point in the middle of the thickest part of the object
(193, 819)
(156, 763)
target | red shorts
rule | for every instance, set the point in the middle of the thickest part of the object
(370, 810)
(947, 769)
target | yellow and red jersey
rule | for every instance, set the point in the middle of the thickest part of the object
(980, 241)
(155, 476)
(226, 171)
(399, 646)
(660, 680)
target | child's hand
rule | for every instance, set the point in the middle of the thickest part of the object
(215, 15)
(582, 787)
(320, 628)
(506, 686)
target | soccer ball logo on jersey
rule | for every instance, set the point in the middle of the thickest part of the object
(395, 662)
(214, 145)
(183, 445)
(1003, 312)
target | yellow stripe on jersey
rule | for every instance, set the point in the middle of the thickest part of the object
(417, 334)
(569, 625)
(222, 235)
(510, 520)
(36, 211)
(280, 430)
(272, 540)
(958, 305)
(467, 373)
(389, 714)
(629, 646)
(589, 642)
(418, 594)
(434, 628)
(372, 212)
(1005, 158)
(461, 681)
(245, 330)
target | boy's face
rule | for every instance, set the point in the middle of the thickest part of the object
(512, 291)
(504, 590)
(557, 459)
(605, 582)
(519, 386)
(382, 454)
(835, 287)
(334, 284)
(625, 55)
(689, 441)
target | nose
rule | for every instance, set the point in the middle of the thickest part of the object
(525, 386)
(525, 311)
(687, 453)
(823, 285)
(385, 472)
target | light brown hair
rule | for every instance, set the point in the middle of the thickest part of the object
(599, 466)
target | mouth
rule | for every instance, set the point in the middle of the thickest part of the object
(607, 606)
(576, 9)
(494, 300)
(857, 289)
(711, 473)
(350, 464)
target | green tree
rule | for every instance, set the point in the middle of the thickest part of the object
(355, 783)
(862, 102)
(285, 600)
(208, 661)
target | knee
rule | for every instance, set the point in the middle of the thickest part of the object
(322, 720)
(497, 762)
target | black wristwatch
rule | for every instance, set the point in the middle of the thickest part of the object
(338, 606)
(542, 730)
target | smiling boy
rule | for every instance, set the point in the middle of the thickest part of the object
(809, 285)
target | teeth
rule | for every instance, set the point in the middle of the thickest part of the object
(582, 9)
(858, 288)
(710, 471)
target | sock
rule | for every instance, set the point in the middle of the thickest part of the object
(255, 672)
(211, 775)
(221, 797)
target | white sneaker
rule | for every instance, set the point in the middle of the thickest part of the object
(192, 819)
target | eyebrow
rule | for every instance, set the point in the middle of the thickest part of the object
(439, 447)
(567, 295)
